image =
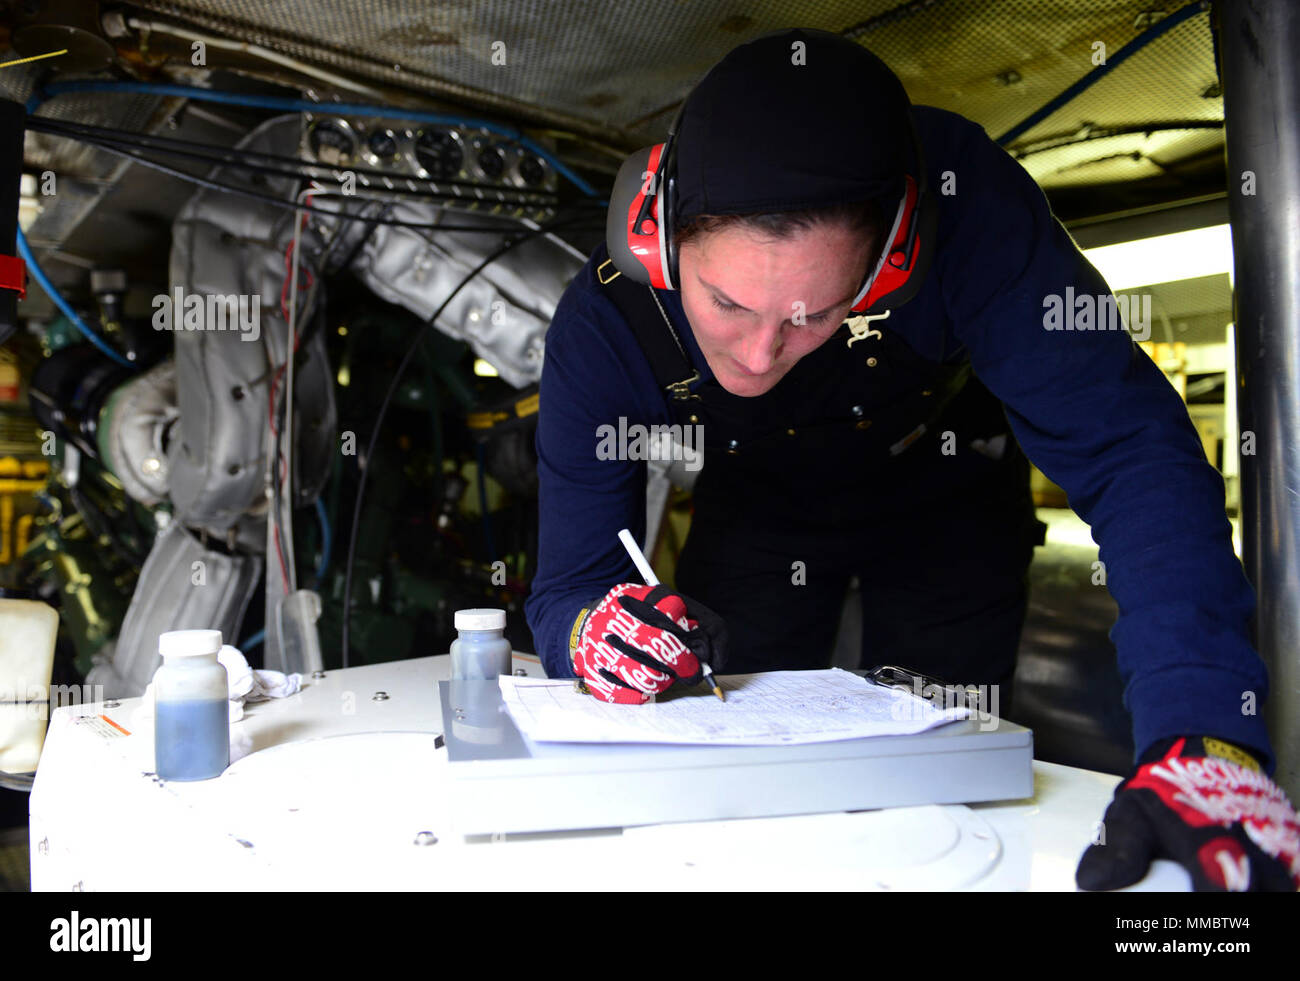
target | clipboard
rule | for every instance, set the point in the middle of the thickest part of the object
(502, 782)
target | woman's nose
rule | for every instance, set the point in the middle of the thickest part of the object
(760, 347)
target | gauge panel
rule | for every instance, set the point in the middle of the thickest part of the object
(478, 170)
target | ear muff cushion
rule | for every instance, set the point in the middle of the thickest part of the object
(626, 190)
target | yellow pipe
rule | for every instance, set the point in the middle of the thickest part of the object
(11, 466)
(24, 532)
(6, 520)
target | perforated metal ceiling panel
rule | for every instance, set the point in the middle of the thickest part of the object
(616, 71)
(622, 67)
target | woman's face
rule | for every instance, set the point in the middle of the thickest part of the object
(757, 304)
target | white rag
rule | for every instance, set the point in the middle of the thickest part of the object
(247, 684)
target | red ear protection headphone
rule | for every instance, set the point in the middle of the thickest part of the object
(639, 227)
(639, 222)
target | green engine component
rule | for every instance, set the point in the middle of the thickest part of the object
(60, 333)
(95, 591)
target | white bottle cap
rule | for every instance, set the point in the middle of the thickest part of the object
(189, 643)
(480, 619)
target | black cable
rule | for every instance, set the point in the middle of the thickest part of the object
(276, 480)
(507, 194)
(443, 200)
(371, 224)
(238, 157)
(388, 398)
(279, 409)
(282, 203)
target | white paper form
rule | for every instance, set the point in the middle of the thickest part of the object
(769, 709)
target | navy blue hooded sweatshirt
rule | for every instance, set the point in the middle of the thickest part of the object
(805, 118)
(1088, 406)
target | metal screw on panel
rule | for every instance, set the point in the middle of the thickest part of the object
(871, 362)
(379, 696)
(426, 838)
(317, 675)
(112, 703)
(520, 673)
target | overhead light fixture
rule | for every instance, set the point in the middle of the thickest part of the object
(1164, 258)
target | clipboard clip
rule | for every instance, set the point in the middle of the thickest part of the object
(924, 686)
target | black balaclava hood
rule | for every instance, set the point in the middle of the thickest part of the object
(763, 132)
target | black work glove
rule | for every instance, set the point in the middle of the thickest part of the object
(1207, 805)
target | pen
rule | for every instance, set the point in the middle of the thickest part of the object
(651, 579)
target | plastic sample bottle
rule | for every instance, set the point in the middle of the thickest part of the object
(191, 707)
(480, 651)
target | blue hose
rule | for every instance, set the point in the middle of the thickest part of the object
(320, 108)
(52, 292)
(326, 540)
(252, 642)
(1101, 71)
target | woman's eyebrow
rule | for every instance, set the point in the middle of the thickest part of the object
(726, 299)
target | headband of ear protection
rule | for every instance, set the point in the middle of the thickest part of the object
(642, 213)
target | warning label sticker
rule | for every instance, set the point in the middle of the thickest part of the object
(100, 725)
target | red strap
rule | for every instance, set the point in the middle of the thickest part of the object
(13, 275)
